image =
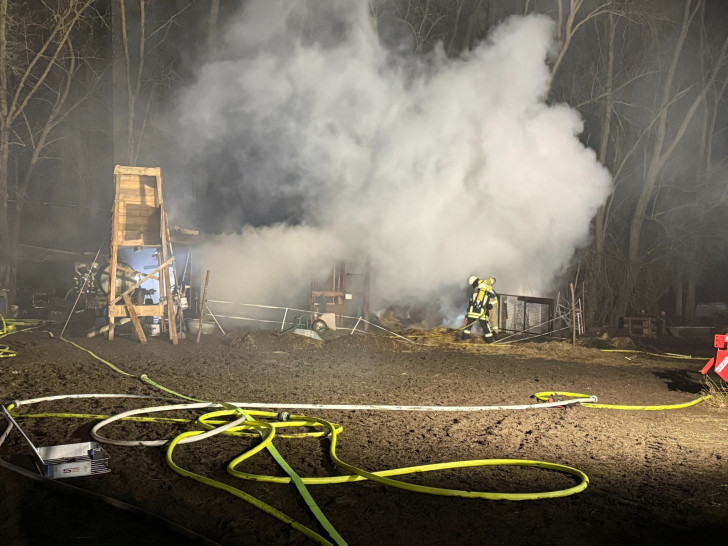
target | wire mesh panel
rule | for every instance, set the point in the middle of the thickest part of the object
(525, 314)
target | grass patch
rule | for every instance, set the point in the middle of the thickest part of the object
(718, 392)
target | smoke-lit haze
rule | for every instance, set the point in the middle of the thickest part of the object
(436, 169)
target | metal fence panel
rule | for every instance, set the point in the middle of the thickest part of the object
(525, 314)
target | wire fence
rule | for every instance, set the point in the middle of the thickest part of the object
(293, 317)
(520, 318)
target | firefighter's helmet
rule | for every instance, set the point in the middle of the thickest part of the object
(472, 279)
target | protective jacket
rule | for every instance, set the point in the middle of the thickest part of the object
(481, 301)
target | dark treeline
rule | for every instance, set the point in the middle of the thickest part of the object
(87, 84)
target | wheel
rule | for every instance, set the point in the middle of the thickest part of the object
(319, 326)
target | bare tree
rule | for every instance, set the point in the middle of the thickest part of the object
(38, 63)
(467, 20)
(569, 20)
(672, 120)
(425, 19)
(138, 35)
(631, 266)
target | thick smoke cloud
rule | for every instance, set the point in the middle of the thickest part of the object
(436, 168)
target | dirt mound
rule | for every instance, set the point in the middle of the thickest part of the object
(240, 340)
(359, 342)
(267, 340)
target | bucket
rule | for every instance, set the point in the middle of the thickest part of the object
(153, 330)
(193, 326)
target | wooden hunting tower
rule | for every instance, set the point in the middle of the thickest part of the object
(139, 220)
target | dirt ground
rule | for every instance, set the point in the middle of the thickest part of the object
(655, 476)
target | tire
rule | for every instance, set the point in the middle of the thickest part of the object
(319, 326)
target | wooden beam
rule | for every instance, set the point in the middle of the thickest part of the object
(154, 310)
(141, 171)
(134, 319)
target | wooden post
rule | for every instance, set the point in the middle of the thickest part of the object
(202, 304)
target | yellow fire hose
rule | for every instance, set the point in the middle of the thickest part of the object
(10, 326)
(548, 396)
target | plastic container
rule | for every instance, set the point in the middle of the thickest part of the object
(193, 326)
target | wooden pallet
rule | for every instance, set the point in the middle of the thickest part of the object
(643, 326)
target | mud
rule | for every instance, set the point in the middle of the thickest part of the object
(655, 476)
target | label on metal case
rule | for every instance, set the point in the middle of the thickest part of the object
(720, 367)
(71, 470)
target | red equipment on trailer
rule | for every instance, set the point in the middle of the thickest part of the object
(720, 360)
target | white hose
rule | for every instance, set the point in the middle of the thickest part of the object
(383, 407)
(130, 443)
(367, 407)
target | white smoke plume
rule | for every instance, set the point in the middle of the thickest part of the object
(436, 168)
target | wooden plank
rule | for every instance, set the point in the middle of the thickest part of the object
(134, 319)
(139, 211)
(160, 203)
(142, 232)
(146, 221)
(156, 310)
(145, 171)
(113, 258)
(136, 195)
(138, 181)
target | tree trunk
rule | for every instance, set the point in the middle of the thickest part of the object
(692, 282)
(7, 266)
(5, 261)
(212, 28)
(661, 150)
(679, 301)
(600, 221)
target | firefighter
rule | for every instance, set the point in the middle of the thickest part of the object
(481, 301)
